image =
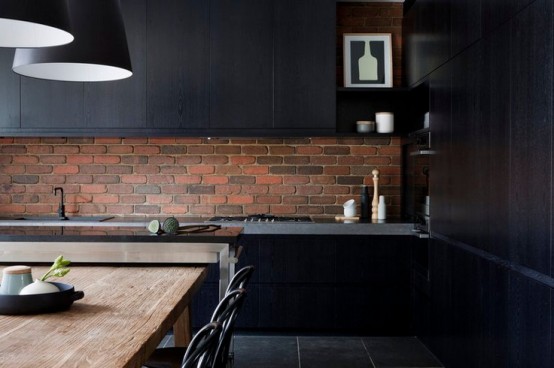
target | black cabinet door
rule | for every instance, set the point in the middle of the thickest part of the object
(305, 43)
(9, 91)
(178, 63)
(465, 23)
(531, 96)
(426, 38)
(52, 107)
(122, 104)
(241, 64)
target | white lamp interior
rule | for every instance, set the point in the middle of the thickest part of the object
(17, 33)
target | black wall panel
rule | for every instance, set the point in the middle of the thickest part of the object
(491, 261)
(531, 65)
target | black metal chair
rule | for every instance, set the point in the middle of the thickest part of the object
(225, 314)
(201, 350)
(241, 279)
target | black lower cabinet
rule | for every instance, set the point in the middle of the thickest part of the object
(482, 313)
(339, 284)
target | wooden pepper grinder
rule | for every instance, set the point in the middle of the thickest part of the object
(375, 202)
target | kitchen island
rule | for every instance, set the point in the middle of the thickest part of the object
(323, 275)
(121, 245)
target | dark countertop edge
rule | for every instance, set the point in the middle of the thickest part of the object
(193, 238)
(89, 235)
(320, 226)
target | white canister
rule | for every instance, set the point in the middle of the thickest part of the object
(349, 208)
(384, 122)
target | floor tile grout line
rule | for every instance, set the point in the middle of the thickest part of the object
(368, 355)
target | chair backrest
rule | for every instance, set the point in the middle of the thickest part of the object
(203, 346)
(226, 313)
(240, 279)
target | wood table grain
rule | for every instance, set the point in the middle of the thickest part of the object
(125, 313)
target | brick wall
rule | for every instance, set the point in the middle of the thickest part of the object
(371, 18)
(194, 176)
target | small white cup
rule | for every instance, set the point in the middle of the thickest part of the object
(349, 208)
(384, 122)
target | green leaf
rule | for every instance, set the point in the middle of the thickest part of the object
(58, 269)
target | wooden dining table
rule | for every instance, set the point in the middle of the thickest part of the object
(124, 315)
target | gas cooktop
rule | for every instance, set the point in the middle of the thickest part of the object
(261, 218)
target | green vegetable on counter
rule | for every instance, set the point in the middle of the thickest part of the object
(58, 269)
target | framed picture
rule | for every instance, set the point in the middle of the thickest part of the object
(367, 60)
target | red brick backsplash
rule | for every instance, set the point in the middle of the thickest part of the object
(195, 176)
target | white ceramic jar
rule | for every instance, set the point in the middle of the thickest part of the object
(385, 122)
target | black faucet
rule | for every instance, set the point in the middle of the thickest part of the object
(61, 208)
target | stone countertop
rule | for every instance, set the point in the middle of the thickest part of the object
(116, 233)
(319, 226)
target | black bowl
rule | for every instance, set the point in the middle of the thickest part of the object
(40, 303)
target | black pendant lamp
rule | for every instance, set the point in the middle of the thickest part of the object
(34, 23)
(98, 53)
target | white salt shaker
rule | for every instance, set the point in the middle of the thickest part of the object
(381, 209)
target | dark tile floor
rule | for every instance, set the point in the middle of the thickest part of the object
(253, 351)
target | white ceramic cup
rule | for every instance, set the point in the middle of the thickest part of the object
(15, 278)
(384, 122)
(349, 208)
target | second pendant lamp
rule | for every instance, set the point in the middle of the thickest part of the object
(34, 23)
(98, 53)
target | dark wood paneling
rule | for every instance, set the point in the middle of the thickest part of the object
(465, 24)
(426, 38)
(52, 105)
(241, 64)
(297, 307)
(322, 283)
(491, 189)
(178, 63)
(469, 149)
(122, 104)
(484, 315)
(305, 64)
(9, 91)
(298, 259)
(441, 178)
(531, 136)
(495, 91)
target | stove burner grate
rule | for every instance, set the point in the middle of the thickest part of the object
(261, 218)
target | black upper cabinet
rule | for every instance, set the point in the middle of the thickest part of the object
(241, 64)
(200, 68)
(9, 91)
(426, 38)
(178, 63)
(305, 64)
(51, 106)
(122, 103)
